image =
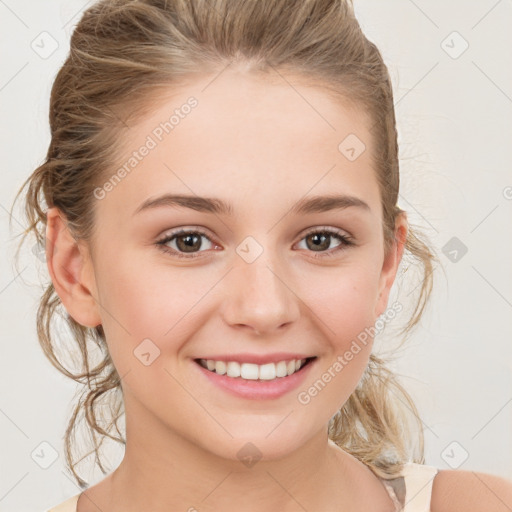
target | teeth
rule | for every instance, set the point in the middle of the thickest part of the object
(220, 367)
(267, 371)
(233, 369)
(251, 371)
(281, 370)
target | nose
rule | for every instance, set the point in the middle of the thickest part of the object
(259, 298)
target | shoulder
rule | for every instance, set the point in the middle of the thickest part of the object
(470, 491)
(70, 505)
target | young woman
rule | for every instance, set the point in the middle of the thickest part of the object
(219, 208)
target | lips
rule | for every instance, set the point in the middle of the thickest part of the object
(256, 389)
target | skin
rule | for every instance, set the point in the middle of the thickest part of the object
(260, 146)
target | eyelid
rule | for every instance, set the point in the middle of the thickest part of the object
(204, 231)
(187, 228)
(329, 229)
(346, 240)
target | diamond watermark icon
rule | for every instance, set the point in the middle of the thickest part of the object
(44, 455)
(351, 147)
(249, 454)
(454, 455)
(45, 45)
(454, 249)
(146, 352)
(249, 249)
(454, 45)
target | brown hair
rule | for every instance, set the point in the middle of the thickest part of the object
(122, 53)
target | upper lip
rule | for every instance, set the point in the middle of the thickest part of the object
(258, 358)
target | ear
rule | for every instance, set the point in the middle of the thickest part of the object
(391, 262)
(71, 270)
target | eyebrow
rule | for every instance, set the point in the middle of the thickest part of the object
(316, 204)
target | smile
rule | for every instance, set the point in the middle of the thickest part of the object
(250, 371)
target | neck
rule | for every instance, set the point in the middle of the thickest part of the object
(165, 472)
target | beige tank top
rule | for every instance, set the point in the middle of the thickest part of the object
(410, 492)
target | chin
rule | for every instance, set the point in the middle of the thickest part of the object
(250, 448)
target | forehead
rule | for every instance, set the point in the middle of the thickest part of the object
(239, 135)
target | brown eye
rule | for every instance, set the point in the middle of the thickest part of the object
(188, 243)
(319, 241)
(185, 242)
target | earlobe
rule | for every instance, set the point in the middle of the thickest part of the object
(66, 265)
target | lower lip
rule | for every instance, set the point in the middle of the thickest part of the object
(257, 389)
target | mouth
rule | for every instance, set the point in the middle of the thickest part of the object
(251, 381)
(255, 372)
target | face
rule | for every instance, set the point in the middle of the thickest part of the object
(265, 279)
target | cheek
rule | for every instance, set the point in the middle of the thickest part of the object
(130, 309)
(141, 302)
(343, 302)
(343, 309)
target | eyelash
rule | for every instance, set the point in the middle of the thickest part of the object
(346, 241)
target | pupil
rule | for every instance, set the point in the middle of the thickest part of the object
(188, 242)
(318, 243)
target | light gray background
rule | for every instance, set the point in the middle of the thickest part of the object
(454, 121)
